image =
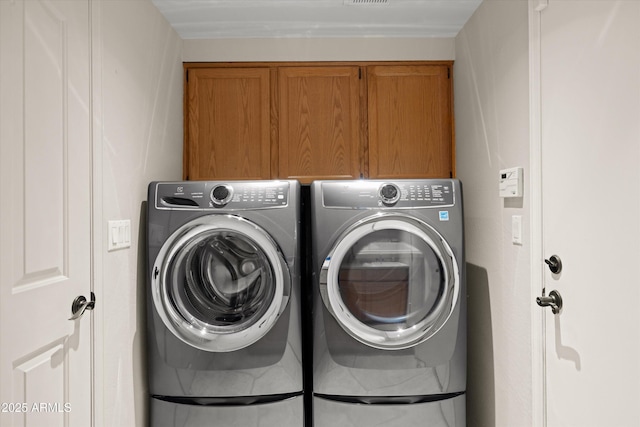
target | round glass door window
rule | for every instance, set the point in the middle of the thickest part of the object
(220, 283)
(391, 281)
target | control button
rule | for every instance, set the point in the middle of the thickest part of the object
(221, 194)
(390, 194)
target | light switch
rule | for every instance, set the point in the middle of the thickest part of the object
(119, 234)
(516, 229)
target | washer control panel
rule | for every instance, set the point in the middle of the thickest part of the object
(379, 194)
(230, 195)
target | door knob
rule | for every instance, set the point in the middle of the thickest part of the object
(80, 305)
(554, 263)
(554, 300)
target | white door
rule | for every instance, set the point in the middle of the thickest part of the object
(45, 212)
(590, 116)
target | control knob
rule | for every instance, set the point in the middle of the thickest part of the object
(390, 194)
(221, 194)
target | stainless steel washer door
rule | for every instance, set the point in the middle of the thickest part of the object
(391, 281)
(220, 283)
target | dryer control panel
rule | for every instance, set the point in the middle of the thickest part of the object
(231, 195)
(365, 194)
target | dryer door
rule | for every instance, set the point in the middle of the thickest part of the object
(220, 283)
(391, 281)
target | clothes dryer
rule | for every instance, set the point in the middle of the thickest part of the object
(223, 304)
(389, 310)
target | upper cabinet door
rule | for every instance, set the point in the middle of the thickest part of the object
(228, 124)
(410, 121)
(319, 123)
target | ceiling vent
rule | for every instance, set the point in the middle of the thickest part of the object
(365, 2)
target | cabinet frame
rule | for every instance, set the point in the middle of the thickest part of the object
(274, 105)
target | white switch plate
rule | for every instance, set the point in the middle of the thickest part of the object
(119, 234)
(516, 229)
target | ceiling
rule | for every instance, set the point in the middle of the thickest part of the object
(215, 19)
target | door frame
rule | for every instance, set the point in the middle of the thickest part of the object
(97, 224)
(538, 362)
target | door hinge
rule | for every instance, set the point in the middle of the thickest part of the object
(542, 5)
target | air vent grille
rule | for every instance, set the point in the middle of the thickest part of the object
(365, 2)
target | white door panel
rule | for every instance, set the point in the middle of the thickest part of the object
(45, 215)
(590, 115)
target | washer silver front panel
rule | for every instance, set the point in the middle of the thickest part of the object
(285, 413)
(230, 196)
(219, 283)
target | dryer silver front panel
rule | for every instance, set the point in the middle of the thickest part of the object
(390, 281)
(439, 413)
(219, 283)
(389, 304)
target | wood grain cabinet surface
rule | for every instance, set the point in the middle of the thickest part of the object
(410, 123)
(319, 123)
(310, 121)
(228, 124)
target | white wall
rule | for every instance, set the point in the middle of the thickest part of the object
(492, 133)
(138, 85)
(310, 49)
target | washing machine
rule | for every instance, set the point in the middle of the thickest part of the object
(223, 304)
(389, 303)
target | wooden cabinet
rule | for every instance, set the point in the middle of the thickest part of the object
(319, 123)
(228, 124)
(310, 121)
(410, 123)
